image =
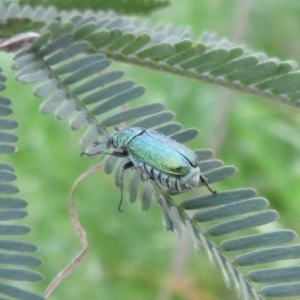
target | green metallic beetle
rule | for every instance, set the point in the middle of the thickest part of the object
(160, 160)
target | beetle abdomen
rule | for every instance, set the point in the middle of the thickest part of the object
(171, 182)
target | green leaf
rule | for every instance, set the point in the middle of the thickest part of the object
(169, 128)
(13, 208)
(243, 223)
(129, 7)
(24, 61)
(100, 38)
(12, 214)
(74, 65)
(236, 66)
(85, 31)
(234, 53)
(8, 124)
(257, 73)
(98, 81)
(41, 41)
(13, 203)
(9, 189)
(220, 174)
(17, 246)
(195, 51)
(282, 290)
(4, 101)
(78, 120)
(118, 100)
(155, 120)
(65, 110)
(275, 274)
(259, 240)
(59, 43)
(69, 52)
(183, 46)
(14, 229)
(18, 293)
(87, 71)
(122, 42)
(52, 102)
(45, 88)
(139, 42)
(17, 259)
(5, 111)
(268, 255)
(108, 92)
(221, 198)
(209, 165)
(34, 77)
(284, 80)
(133, 113)
(7, 176)
(206, 59)
(156, 51)
(185, 135)
(89, 136)
(20, 275)
(231, 210)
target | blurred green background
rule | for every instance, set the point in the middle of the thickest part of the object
(129, 255)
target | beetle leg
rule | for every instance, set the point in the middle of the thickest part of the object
(125, 167)
(204, 181)
(107, 152)
(96, 143)
(161, 201)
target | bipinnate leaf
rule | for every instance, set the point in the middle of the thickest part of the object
(13, 257)
(71, 61)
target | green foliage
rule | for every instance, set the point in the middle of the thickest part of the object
(16, 19)
(12, 208)
(71, 66)
(123, 7)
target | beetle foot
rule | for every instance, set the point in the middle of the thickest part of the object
(121, 200)
(204, 181)
(161, 202)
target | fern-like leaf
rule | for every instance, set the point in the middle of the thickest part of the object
(12, 252)
(211, 59)
(71, 60)
(127, 7)
(242, 209)
(20, 19)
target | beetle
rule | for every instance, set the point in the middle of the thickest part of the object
(162, 161)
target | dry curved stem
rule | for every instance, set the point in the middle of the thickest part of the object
(79, 231)
(18, 41)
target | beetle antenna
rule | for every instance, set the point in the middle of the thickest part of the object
(96, 143)
(204, 181)
(89, 154)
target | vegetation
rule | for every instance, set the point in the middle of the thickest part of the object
(79, 59)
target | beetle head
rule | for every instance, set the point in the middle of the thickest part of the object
(113, 139)
(122, 137)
